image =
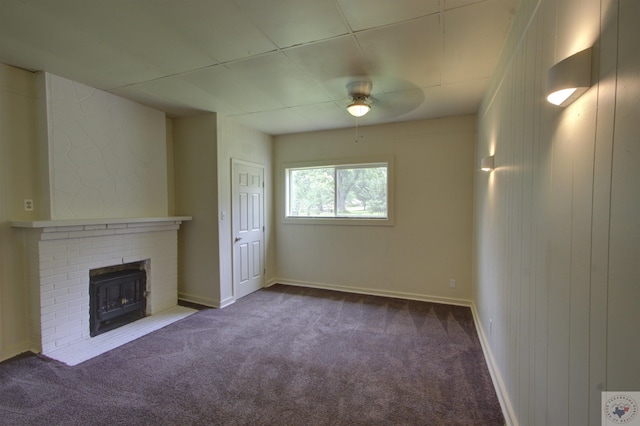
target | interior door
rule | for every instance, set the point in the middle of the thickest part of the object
(247, 227)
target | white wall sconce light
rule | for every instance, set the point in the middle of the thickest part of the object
(487, 163)
(569, 79)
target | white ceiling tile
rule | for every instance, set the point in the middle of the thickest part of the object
(295, 21)
(404, 56)
(170, 106)
(180, 91)
(453, 4)
(406, 102)
(277, 76)
(222, 83)
(217, 27)
(273, 122)
(363, 14)
(462, 98)
(55, 45)
(127, 28)
(332, 63)
(440, 101)
(473, 39)
(325, 115)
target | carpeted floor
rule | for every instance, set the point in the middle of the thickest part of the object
(281, 356)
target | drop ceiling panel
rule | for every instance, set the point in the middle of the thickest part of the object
(272, 122)
(216, 27)
(170, 106)
(56, 46)
(439, 101)
(463, 97)
(319, 115)
(404, 56)
(179, 91)
(14, 51)
(404, 104)
(472, 41)
(332, 63)
(297, 21)
(283, 82)
(305, 118)
(223, 83)
(452, 4)
(125, 27)
(363, 14)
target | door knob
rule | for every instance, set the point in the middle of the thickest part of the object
(237, 239)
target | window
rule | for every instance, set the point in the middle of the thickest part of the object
(353, 191)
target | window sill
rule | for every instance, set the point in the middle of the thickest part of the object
(341, 221)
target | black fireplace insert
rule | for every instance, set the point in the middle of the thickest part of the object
(116, 298)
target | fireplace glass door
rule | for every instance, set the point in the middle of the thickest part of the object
(116, 298)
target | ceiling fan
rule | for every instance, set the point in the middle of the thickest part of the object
(361, 100)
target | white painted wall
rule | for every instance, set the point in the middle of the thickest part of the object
(18, 180)
(430, 241)
(204, 146)
(106, 155)
(196, 186)
(623, 295)
(242, 143)
(556, 235)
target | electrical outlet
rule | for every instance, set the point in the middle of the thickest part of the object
(452, 283)
(28, 205)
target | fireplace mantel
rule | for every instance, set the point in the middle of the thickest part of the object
(95, 222)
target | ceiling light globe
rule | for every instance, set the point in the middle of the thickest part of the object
(358, 109)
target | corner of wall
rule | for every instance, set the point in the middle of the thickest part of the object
(43, 122)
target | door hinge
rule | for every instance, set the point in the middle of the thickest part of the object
(263, 229)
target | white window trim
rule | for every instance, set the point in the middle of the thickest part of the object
(388, 221)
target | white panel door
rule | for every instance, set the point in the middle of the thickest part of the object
(247, 227)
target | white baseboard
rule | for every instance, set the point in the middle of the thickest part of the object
(496, 377)
(271, 282)
(374, 292)
(206, 301)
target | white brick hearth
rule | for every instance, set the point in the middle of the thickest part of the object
(61, 254)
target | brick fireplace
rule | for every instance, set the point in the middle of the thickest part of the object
(61, 254)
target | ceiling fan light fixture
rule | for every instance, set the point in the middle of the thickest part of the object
(359, 106)
(358, 109)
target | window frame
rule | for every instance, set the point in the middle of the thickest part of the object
(340, 220)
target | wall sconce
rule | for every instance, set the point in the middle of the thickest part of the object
(487, 163)
(569, 79)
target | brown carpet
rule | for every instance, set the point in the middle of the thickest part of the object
(281, 356)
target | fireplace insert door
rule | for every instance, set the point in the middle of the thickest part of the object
(116, 298)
